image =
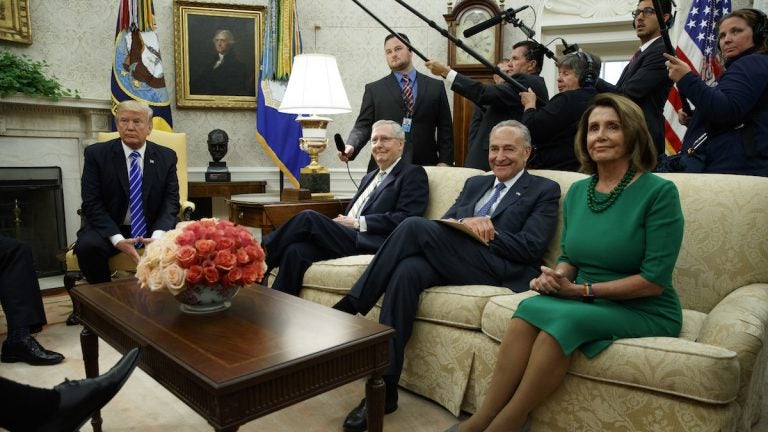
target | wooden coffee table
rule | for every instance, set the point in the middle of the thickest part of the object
(266, 352)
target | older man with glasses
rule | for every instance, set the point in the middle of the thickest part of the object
(386, 197)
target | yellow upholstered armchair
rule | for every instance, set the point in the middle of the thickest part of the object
(121, 262)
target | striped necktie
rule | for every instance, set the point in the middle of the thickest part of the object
(357, 207)
(138, 223)
(408, 96)
(485, 210)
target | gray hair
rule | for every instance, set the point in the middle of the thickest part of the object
(228, 34)
(135, 106)
(526, 134)
(397, 130)
(577, 62)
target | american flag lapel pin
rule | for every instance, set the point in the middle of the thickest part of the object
(151, 161)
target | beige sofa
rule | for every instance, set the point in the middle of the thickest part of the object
(708, 379)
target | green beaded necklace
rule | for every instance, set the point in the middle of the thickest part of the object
(598, 206)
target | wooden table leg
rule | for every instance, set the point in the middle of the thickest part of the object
(89, 343)
(374, 399)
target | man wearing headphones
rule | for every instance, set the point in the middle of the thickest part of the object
(553, 127)
(645, 79)
(502, 101)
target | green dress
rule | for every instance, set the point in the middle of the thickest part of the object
(641, 234)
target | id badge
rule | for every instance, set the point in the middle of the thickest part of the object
(406, 124)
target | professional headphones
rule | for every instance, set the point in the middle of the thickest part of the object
(672, 15)
(760, 31)
(588, 77)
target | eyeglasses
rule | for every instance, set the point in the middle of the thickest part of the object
(645, 11)
(383, 140)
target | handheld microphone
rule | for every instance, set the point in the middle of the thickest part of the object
(339, 143)
(340, 147)
(475, 29)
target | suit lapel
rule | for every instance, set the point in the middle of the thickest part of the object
(363, 184)
(422, 87)
(514, 194)
(120, 164)
(149, 171)
(389, 179)
(394, 91)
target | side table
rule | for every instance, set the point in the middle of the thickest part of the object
(203, 193)
(267, 212)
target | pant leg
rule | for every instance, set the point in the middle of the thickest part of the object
(306, 238)
(93, 253)
(20, 294)
(401, 301)
(23, 407)
(457, 259)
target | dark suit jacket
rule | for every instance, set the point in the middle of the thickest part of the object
(501, 102)
(403, 193)
(230, 78)
(430, 140)
(553, 128)
(646, 82)
(525, 219)
(105, 188)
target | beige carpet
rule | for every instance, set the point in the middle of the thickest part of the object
(144, 405)
(57, 309)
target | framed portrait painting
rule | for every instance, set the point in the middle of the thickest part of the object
(217, 52)
(14, 21)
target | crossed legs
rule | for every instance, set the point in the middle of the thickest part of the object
(530, 366)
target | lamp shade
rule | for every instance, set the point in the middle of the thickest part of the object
(315, 87)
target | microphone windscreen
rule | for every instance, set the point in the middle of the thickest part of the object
(339, 143)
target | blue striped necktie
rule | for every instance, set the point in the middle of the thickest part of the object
(486, 208)
(138, 223)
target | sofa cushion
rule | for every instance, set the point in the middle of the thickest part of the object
(457, 305)
(678, 366)
(336, 275)
(444, 186)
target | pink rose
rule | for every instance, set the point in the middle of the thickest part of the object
(225, 260)
(242, 256)
(195, 274)
(186, 256)
(205, 248)
(225, 243)
(234, 276)
(210, 275)
(186, 238)
(174, 278)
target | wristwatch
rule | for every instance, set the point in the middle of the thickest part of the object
(356, 225)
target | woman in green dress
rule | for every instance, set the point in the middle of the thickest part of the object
(622, 232)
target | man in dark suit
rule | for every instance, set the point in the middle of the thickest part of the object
(500, 100)
(225, 74)
(513, 211)
(23, 306)
(645, 79)
(426, 119)
(107, 203)
(394, 191)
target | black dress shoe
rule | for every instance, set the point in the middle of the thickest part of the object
(357, 419)
(82, 398)
(29, 350)
(72, 320)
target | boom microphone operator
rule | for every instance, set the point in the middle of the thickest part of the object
(475, 29)
(341, 147)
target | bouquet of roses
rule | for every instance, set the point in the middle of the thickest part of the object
(205, 252)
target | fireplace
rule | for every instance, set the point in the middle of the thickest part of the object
(32, 210)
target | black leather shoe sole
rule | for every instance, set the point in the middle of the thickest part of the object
(357, 419)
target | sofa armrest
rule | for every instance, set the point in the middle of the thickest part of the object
(187, 208)
(738, 323)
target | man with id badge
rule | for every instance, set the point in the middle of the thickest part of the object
(419, 103)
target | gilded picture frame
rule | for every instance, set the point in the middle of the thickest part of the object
(14, 21)
(217, 49)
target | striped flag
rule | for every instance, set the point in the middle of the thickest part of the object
(137, 72)
(279, 133)
(697, 46)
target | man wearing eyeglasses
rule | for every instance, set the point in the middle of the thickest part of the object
(645, 79)
(387, 195)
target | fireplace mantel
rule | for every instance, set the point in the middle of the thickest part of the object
(26, 116)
